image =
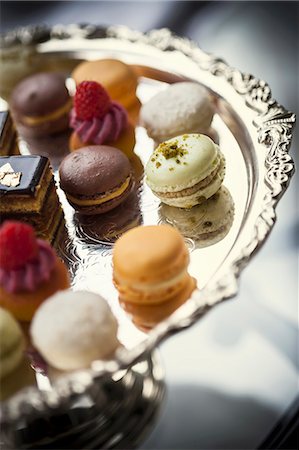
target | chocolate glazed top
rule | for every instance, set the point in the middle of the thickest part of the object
(93, 170)
(31, 167)
(39, 94)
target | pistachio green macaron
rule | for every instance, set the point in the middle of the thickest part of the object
(186, 170)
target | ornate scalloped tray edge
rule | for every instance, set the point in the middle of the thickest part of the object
(273, 125)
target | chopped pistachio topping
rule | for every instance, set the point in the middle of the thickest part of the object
(171, 150)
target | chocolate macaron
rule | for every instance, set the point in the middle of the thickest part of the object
(96, 179)
(41, 104)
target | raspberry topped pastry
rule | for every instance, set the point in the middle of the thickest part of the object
(30, 270)
(118, 78)
(98, 120)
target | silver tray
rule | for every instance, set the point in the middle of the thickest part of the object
(254, 132)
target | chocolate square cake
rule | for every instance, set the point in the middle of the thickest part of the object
(28, 193)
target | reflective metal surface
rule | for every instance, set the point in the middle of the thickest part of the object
(254, 133)
(112, 411)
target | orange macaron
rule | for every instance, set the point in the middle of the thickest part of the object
(150, 272)
(118, 78)
(146, 316)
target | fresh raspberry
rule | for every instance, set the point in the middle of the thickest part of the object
(18, 245)
(91, 100)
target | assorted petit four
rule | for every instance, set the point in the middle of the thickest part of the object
(30, 270)
(96, 119)
(118, 78)
(40, 104)
(8, 135)
(206, 223)
(28, 193)
(102, 180)
(181, 108)
(72, 329)
(150, 272)
(186, 170)
(96, 179)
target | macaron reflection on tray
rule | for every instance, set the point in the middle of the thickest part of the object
(254, 133)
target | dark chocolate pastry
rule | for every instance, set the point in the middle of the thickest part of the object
(41, 104)
(96, 179)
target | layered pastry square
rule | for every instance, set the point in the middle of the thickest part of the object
(28, 193)
(8, 135)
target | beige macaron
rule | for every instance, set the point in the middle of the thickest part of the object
(184, 107)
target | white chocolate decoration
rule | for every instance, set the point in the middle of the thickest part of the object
(8, 177)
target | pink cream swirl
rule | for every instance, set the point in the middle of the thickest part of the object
(32, 274)
(101, 131)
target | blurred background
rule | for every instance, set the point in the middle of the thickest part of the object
(234, 376)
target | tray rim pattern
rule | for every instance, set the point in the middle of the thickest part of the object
(274, 125)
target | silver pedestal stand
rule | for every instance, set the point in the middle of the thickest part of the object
(112, 412)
